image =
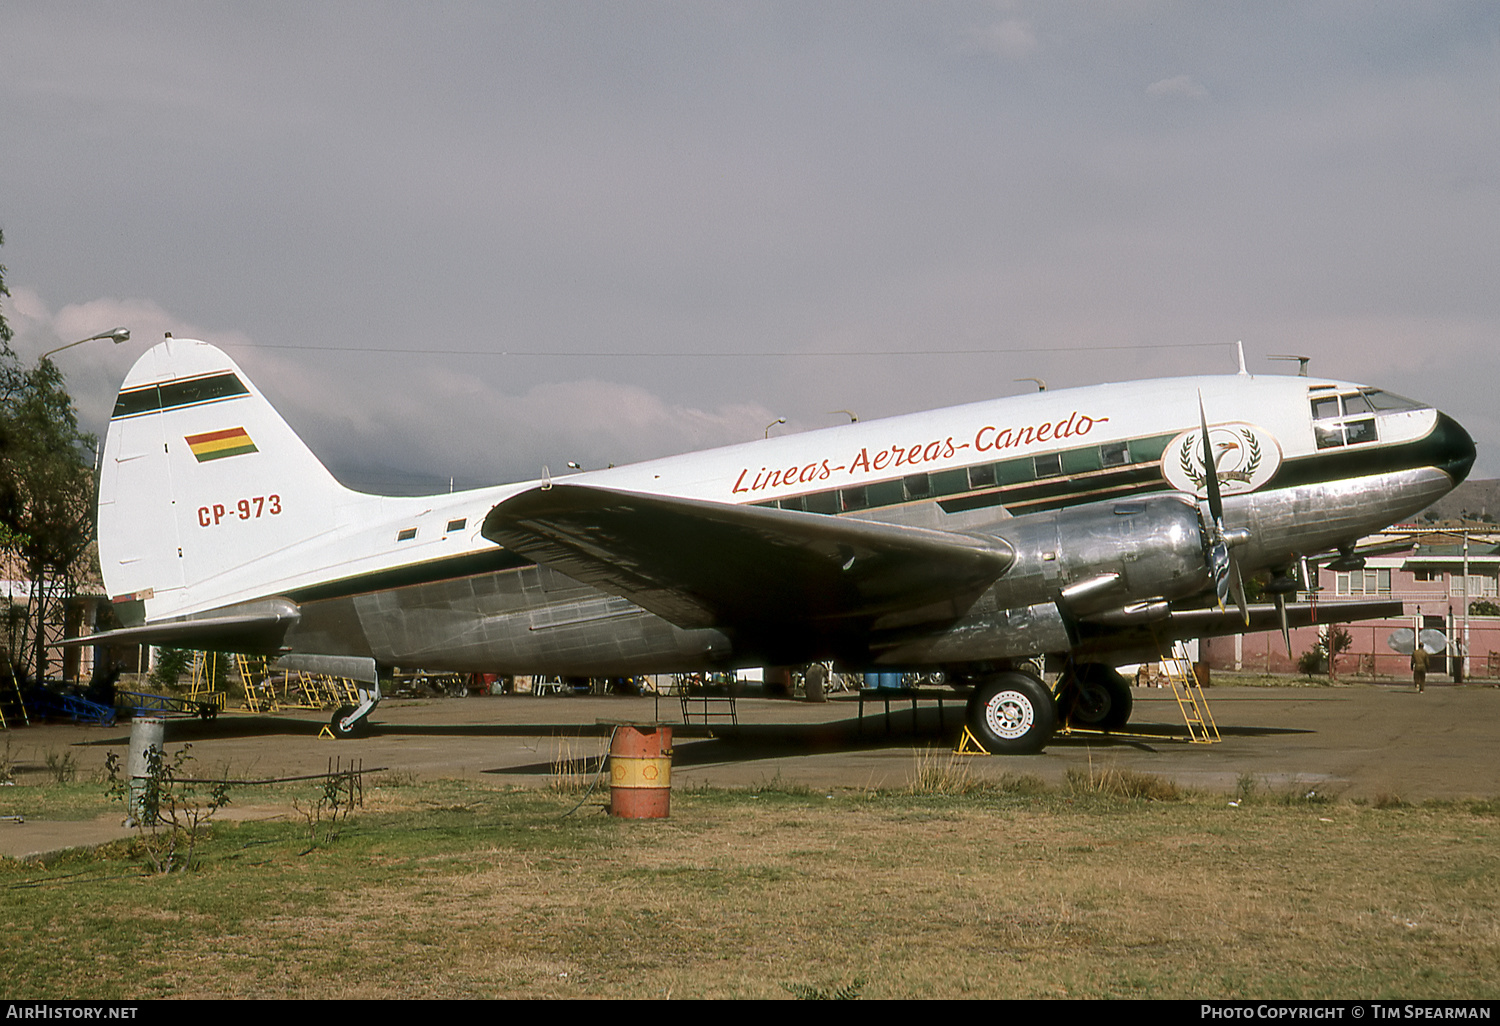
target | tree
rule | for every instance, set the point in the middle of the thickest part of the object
(46, 490)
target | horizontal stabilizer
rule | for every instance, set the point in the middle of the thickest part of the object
(705, 564)
(260, 632)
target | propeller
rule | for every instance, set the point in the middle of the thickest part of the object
(1225, 567)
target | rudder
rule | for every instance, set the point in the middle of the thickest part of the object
(203, 486)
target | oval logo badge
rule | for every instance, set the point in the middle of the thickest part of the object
(1245, 456)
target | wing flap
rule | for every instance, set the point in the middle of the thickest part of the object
(708, 564)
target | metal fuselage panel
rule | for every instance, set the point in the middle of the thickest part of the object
(525, 620)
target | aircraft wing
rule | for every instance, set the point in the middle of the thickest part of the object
(709, 564)
(1213, 622)
(1140, 641)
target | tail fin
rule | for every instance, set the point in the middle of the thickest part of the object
(205, 492)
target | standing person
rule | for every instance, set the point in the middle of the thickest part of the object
(814, 681)
(1419, 667)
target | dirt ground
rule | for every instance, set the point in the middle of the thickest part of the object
(1355, 741)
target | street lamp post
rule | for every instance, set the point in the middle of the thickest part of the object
(118, 335)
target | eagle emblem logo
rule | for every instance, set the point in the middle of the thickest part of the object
(1245, 456)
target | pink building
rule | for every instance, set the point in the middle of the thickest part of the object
(1428, 579)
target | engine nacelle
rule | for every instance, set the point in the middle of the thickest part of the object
(1106, 555)
(1123, 558)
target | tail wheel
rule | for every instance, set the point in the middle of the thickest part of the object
(1095, 695)
(339, 724)
(1012, 714)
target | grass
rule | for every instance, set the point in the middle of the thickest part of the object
(1103, 888)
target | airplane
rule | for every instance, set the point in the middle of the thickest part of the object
(1087, 526)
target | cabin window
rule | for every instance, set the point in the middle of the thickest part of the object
(982, 475)
(1115, 454)
(854, 498)
(794, 503)
(406, 534)
(457, 525)
(916, 486)
(1048, 464)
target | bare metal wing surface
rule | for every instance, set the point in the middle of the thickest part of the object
(707, 564)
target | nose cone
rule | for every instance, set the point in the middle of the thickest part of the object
(1452, 447)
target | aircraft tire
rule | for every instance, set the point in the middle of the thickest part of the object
(336, 724)
(1098, 697)
(1012, 714)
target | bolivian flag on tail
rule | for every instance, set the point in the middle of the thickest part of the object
(215, 445)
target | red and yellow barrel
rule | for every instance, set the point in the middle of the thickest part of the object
(640, 772)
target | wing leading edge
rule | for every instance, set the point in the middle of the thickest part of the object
(704, 564)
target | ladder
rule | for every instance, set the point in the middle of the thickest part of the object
(1189, 694)
(260, 696)
(12, 706)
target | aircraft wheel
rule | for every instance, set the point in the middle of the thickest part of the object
(1012, 714)
(337, 725)
(1099, 697)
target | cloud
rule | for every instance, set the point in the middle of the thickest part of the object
(1180, 87)
(1011, 38)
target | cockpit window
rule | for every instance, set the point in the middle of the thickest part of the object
(1340, 420)
(1326, 408)
(1383, 402)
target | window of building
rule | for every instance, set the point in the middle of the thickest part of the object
(1477, 586)
(1365, 582)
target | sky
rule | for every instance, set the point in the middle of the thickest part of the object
(456, 242)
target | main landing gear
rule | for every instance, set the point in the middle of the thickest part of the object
(1014, 713)
(1095, 696)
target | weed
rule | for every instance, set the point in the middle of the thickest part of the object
(848, 992)
(7, 765)
(397, 778)
(169, 814)
(572, 773)
(338, 794)
(1116, 783)
(936, 775)
(1302, 794)
(63, 766)
(779, 785)
(1246, 787)
(1387, 800)
(1028, 784)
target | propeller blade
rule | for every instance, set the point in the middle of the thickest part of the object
(1237, 586)
(1210, 468)
(1286, 630)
